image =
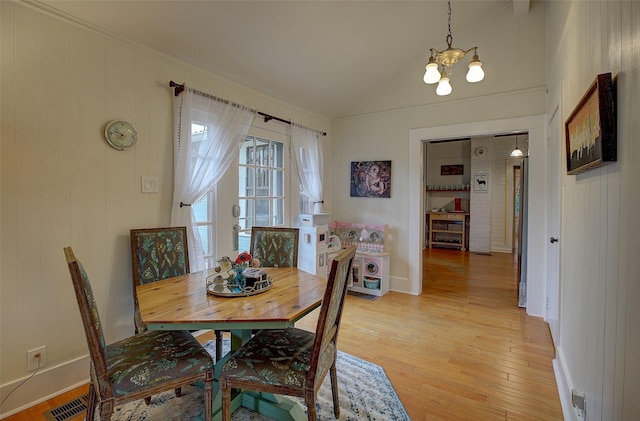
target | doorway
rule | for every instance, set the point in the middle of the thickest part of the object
(490, 208)
(535, 126)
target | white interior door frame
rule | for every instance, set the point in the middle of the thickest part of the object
(555, 151)
(537, 209)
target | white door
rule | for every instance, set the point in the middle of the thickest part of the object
(555, 150)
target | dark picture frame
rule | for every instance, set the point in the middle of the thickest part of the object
(590, 130)
(371, 179)
(457, 169)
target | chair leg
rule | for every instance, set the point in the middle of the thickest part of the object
(92, 400)
(106, 410)
(218, 345)
(311, 408)
(226, 400)
(333, 374)
(208, 397)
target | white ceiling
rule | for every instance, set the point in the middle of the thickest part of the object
(323, 56)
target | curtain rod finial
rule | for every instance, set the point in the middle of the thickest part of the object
(178, 88)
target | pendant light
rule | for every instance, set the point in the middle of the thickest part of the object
(438, 68)
(516, 152)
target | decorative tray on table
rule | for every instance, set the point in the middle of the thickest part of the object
(249, 282)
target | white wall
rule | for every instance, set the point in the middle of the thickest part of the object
(599, 324)
(481, 210)
(61, 184)
(513, 87)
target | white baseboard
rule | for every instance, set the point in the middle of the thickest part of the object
(563, 380)
(44, 385)
(402, 285)
(501, 250)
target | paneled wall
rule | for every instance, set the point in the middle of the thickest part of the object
(481, 202)
(62, 184)
(599, 324)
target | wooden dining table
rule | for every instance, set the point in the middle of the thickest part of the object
(182, 303)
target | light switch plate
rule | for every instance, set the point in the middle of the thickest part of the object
(149, 184)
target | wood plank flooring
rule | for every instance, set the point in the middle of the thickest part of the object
(462, 350)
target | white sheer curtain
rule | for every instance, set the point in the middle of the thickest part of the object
(306, 148)
(208, 133)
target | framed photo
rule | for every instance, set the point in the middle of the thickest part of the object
(590, 130)
(481, 182)
(457, 169)
(371, 179)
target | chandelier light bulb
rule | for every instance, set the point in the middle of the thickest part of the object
(475, 73)
(444, 87)
(431, 75)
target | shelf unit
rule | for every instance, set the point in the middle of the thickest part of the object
(449, 190)
(448, 229)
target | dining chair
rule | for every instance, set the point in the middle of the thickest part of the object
(293, 361)
(275, 247)
(156, 254)
(139, 366)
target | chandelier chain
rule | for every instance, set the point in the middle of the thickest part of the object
(449, 37)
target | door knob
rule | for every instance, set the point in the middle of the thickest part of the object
(553, 240)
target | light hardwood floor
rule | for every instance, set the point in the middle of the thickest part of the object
(462, 350)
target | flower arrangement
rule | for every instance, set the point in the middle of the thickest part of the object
(229, 279)
(230, 269)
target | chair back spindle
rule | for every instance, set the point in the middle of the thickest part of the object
(328, 325)
(90, 319)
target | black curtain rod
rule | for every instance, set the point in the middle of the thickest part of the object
(178, 88)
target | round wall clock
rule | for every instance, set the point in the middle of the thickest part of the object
(120, 134)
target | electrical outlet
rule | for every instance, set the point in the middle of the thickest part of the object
(578, 399)
(33, 360)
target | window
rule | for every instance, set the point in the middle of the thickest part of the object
(203, 209)
(262, 191)
(204, 219)
(261, 185)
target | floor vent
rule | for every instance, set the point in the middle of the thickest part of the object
(68, 410)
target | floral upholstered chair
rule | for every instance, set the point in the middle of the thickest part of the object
(293, 361)
(275, 247)
(156, 254)
(139, 366)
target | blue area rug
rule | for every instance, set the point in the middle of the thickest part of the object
(364, 389)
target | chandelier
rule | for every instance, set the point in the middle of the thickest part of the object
(438, 68)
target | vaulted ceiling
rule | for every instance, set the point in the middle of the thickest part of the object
(322, 56)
